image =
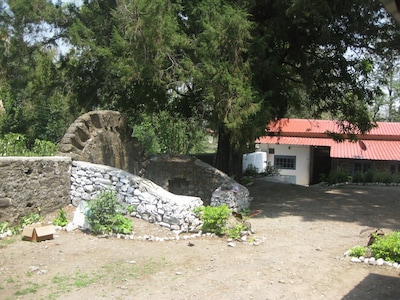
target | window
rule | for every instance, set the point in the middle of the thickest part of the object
(285, 162)
(271, 151)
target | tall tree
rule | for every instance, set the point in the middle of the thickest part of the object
(38, 101)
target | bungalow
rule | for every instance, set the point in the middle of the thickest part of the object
(302, 150)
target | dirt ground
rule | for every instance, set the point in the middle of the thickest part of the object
(303, 233)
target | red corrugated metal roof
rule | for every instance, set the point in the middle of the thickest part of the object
(310, 127)
(382, 143)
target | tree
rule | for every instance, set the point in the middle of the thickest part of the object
(235, 65)
(38, 101)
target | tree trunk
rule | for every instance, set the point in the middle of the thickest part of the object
(222, 159)
(227, 159)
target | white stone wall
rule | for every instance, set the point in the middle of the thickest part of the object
(153, 203)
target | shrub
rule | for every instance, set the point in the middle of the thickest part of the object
(383, 177)
(103, 217)
(235, 232)
(251, 170)
(358, 177)
(214, 218)
(61, 219)
(337, 176)
(387, 247)
(15, 144)
(357, 251)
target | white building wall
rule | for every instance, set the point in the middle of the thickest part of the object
(301, 175)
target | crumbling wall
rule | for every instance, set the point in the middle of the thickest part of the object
(103, 137)
(188, 175)
(30, 184)
(152, 203)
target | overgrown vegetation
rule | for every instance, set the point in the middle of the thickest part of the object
(385, 246)
(13, 144)
(340, 176)
(103, 215)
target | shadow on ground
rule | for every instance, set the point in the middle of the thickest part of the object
(370, 206)
(375, 286)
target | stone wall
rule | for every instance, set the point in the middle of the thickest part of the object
(186, 175)
(28, 184)
(153, 203)
(103, 137)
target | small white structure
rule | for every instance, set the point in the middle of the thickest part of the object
(256, 160)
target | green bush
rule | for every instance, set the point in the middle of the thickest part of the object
(235, 232)
(251, 170)
(357, 251)
(383, 177)
(358, 177)
(214, 218)
(337, 176)
(61, 219)
(15, 144)
(103, 216)
(387, 247)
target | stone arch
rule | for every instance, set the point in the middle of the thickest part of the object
(103, 137)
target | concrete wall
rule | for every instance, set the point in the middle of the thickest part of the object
(301, 175)
(28, 184)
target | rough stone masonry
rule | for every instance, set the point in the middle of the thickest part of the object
(152, 203)
(30, 184)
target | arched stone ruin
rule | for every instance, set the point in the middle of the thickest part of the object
(103, 137)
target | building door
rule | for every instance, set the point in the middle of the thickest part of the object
(321, 163)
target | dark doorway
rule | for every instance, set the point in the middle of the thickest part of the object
(321, 163)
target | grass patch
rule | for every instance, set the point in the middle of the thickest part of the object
(7, 241)
(31, 288)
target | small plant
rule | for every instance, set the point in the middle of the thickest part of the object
(31, 219)
(251, 170)
(271, 170)
(4, 227)
(387, 247)
(214, 218)
(357, 251)
(235, 232)
(130, 209)
(103, 217)
(61, 219)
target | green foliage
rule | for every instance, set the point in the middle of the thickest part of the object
(4, 227)
(14, 144)
(235, 231)
(251, 170)
(130, 209)
(61, 219)
(214, 218)
(233, 65)
(357, 251)
(375, 177)
(32, 218)
(103, 216)
(387, 247)
(337, 176)
(166, 132)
